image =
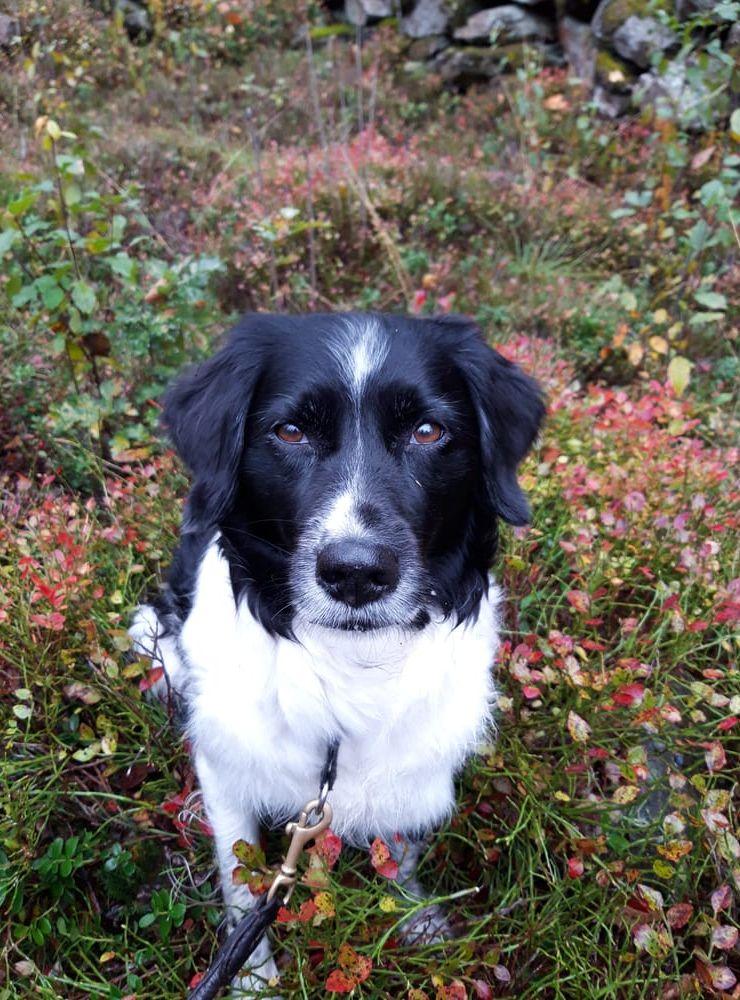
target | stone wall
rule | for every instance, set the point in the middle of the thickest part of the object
(681, 56)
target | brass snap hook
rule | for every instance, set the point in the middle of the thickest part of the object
(301, 831)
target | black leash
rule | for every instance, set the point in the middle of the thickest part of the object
(244, 938)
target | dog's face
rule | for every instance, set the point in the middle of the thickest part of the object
(355, 464)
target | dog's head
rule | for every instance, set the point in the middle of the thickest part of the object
(355, 464)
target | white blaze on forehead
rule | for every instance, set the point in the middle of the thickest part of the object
(341, 520)
(360, 348)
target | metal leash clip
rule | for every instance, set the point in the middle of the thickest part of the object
(301, 831)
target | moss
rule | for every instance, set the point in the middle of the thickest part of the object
(614, 73)
(616, 12)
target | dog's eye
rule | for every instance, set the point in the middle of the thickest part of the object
(428, 433)
(290, 434)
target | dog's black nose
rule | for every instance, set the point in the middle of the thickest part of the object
(357, 572)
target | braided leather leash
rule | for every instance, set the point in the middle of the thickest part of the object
(233, 954)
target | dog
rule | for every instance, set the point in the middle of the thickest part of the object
(332, 576)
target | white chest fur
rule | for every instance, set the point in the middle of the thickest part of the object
(408, 709)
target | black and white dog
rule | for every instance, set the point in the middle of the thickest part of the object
(332, 578)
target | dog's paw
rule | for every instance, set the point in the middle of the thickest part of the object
(427, 926)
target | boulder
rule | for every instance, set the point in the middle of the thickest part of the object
(429, 17)
(422, 49)
(579, 47)
(460, 66)
(471, 64)
(608, 104)
(614, 75)
(362, 12)
(507, 24)
(638, 38)
(611, 14)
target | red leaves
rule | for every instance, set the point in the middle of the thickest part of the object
(715, 757)
(629, 695)
(575, 868)
(152, 676)
(353, 970)
(328, 847)
(531, 692)
(54, 621)
(727, 724)
(679, 915)
(381, 860)
(579, 600)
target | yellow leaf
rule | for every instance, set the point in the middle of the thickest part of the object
(578, 728)
(679, 372)
(106, 957)
(625, 794)
(53, 130)
(660, 316)
(659, 345)
(635, 353)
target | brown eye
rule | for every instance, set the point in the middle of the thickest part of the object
(428, 433)
(290, 434)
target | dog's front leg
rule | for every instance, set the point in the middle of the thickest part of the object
(427, 925)
(230, 823)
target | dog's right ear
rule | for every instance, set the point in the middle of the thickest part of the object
(205, 414)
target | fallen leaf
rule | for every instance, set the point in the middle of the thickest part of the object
(679, 915)
(724, 937)
(679, 373)
(575, 868)
(721, 899)
(715, 757)
(702, 158)
(578, 728)
(381, 860)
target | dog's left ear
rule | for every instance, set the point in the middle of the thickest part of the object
(510, 410)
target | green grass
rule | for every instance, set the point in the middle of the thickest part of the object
(613, 775)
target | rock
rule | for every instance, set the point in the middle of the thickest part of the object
(694, 92)
(614, 75)
(422, 49)
(429, 17)
(471, 64)
(608, 104)
(687, 8)
(464, 65)
(9, 31)
(508, 24)
(611, 14)
(362, 12)
(639, 37)
(580, 48)
(136, 20)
